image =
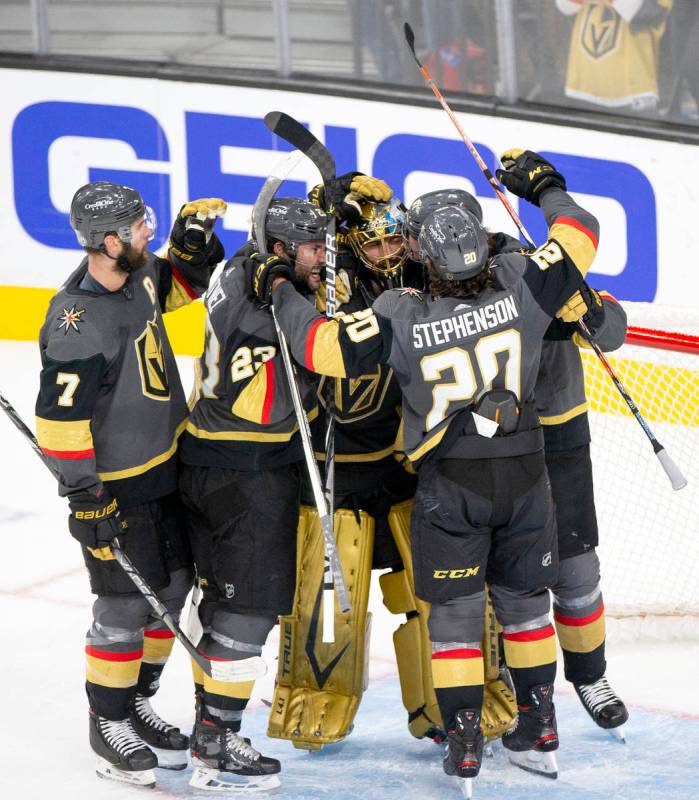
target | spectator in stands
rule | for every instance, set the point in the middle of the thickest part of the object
(613, 57)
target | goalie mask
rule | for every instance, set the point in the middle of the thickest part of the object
(377, 240)
(424, 205)
(101, 208)
(293, 221)
(455, 242)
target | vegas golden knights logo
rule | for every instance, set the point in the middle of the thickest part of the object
(600, 30)
(358, 398)
(151, 362)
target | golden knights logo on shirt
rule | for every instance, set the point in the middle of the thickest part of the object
(599, 34)
(151, 362)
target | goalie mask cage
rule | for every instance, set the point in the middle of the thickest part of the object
(649, 548)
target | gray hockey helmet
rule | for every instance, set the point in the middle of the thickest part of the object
(424, 205)
(455, 242)
(294, 221)
(103, 207)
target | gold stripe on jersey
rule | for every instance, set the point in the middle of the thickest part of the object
(427, 445)
(325, 351)
(377, 455)
(154, 462)
(64, 436)
(559, 419)
(578, 244)
(250, 404)
(177, 296)
(247, 436)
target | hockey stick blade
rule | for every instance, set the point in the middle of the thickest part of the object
(302, 139)
(410, 39)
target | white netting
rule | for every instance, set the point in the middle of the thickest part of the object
(649, 548)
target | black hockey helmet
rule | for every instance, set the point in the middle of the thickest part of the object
(424, 205)
(103, 207)
(455, 242)
(293, 221)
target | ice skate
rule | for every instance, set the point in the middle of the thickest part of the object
(604, 706)
(464, 749)
(534, 737)
(224, 761)
(121, 753)
(165, 740)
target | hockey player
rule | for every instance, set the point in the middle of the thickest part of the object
(109, 413)
(242, 460)
(466, 360)
(313, 704)
(562, 406)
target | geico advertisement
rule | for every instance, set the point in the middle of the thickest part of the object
(174, 141)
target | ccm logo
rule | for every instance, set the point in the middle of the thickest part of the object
(456, 573)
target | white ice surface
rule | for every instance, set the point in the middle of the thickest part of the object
(45, 611)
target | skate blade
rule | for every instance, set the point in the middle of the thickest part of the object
(207, 779)
(171, 759)
(543, 764)
(144, 778)
(466, 786)
(618, 734)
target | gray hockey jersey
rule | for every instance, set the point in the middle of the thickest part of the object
(448, 352)
(111, 406)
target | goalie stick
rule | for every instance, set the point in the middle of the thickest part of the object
(673, 472)
(333, 579)
(302, 139)
(246, 670)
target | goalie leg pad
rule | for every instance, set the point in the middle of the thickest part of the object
(319, 686)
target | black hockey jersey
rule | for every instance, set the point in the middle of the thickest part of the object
(111, 406)
(447, 352)
(242, 416)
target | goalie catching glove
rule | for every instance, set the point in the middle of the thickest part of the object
(192, 240)
(528, 174)
(342, 194)
(260, 272)
(94, 521)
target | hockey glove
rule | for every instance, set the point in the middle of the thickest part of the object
(261, 270)
(192, 240)
(585, 304)
(528, 174)
(344, 193)
(94, 521)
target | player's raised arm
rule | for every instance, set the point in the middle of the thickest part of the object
(347, 346)
(193, 253)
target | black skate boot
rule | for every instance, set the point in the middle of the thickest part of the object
(121, 753)
(464, 748)
(534, 737)
(165, 740)
(604, 706)
(225, 761)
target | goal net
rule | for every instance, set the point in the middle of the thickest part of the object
(649, 542)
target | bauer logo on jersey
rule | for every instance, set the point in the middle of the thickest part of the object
(151, 362)
(69, 320)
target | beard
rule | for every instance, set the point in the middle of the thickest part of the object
(131, 261)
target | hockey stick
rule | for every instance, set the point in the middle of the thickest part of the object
(247, 670)
(302, 139)
(333, 579)
(673, 472)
